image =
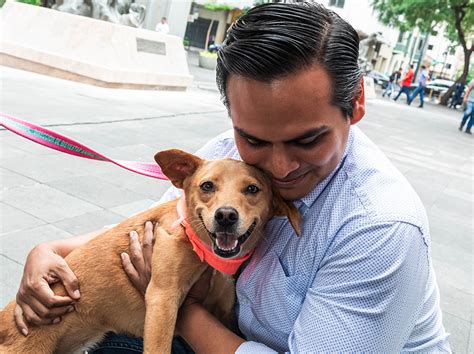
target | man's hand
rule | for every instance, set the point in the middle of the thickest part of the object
(36, 302)
(137, 264)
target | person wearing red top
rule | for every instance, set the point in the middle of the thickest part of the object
(406, 83)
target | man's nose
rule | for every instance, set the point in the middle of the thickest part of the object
(282, 163)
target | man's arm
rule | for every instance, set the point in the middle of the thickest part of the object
(468, 92)
(204, 333)
(36, 302)
(66, 246)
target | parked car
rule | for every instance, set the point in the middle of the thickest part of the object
(379, 78)
(435, 88)
(438, 87)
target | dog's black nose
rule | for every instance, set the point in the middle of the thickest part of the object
(226, 216)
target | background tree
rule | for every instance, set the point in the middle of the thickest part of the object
(458, 15)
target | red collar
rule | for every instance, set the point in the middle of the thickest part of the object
(204, 252)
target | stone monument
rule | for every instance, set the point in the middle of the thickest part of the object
(86, 49)
(116, 11)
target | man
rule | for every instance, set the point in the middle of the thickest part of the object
(406, 83)
(457, 96)
(360, 277)
(422, 80)
(468, 102)
(163, 26)
(392, 83)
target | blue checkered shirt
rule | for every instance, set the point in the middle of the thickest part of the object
(359, 278)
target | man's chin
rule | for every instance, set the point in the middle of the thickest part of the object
(293, 193)
(297, 191)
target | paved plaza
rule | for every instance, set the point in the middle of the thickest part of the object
(47, 195)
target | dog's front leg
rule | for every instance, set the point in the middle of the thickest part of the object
(175, 268)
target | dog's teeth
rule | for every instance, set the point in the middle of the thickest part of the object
(228, 248)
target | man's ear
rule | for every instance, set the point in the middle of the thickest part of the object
(358, 105)
(282, 207)
(177, 165)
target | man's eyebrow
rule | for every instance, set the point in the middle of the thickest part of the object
(310, 133)
(245, 135)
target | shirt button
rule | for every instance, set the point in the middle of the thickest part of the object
(244, 301)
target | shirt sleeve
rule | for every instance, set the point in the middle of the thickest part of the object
(367, 293)
(250, 347)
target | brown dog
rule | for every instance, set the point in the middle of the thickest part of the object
(228, 204)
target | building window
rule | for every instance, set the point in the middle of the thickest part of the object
(401, 36)
(420, 45)
(430, 46)
(337, 3)
(448, 66)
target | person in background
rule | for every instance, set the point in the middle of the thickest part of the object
(468, 102)
(406, 83)
(392, 83)
(422, 80)
(457, 95)
(163, 26)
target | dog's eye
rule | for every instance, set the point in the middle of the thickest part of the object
(252, 189)
(207, 186)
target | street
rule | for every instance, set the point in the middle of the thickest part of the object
(48, 195)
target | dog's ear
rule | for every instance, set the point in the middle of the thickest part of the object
(177, 165)
(282, 207)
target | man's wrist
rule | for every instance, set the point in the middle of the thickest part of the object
(197, 326)
(185, 314)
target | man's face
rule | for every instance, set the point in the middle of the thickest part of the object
(289, 128)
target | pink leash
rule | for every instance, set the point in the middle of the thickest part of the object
(61, 143)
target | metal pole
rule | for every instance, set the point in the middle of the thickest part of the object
(422, 54)
(444, 63)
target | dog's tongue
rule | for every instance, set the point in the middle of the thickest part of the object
(226, 241)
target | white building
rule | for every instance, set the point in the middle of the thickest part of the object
(445, 59)
(399, 49)
(360, 14)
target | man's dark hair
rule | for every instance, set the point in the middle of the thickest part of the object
(275, 40)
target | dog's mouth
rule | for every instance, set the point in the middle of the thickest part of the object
(228, 244)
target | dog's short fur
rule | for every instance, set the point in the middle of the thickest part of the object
(224, 198)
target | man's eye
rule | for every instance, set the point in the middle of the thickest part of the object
(207, 186)
(252, 189)
(307, 140)
(253, 141)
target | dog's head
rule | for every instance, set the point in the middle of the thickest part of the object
(228, 202)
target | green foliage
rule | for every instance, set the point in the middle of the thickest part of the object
(208, 54)
(426, 14)
(31, 2)
(218, 7)
(2, 2)
(470, 75)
